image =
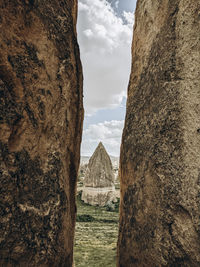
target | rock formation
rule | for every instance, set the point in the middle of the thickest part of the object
(40, 131)
(160, 153)
(99, 179)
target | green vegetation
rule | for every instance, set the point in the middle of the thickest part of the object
(96, 236)
(117, 186)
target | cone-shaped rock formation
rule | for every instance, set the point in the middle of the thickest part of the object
(99, 179)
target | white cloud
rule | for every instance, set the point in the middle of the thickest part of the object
(105, 44)
(108, 132)
(88, 33)
(117, 4)
(129, 17)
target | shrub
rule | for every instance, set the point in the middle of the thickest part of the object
(85, 218)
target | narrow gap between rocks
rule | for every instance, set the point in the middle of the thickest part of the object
(105, 35)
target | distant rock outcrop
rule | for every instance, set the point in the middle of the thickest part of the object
(160, 152)
(99, 179)
(40, 131)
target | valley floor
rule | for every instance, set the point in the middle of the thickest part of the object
(96, 236)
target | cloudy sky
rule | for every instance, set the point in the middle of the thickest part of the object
(105, 36)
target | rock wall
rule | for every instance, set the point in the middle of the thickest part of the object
(160, 152)
(99, 196)
(40, 131)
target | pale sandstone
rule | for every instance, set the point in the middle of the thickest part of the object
(99, 179)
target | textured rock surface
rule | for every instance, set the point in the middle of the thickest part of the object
(160, 155)
(99, 196)
(40, 131)
(99, 179)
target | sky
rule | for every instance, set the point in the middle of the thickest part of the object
(105, 30)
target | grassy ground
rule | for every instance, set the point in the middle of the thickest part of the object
(96, 236)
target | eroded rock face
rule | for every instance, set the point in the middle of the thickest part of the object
(160, 155)
(99, 179)
(40, 131)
